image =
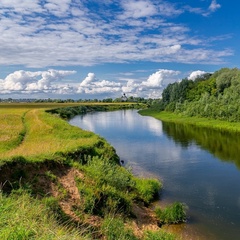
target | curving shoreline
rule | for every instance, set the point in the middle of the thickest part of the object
(221, 125)
(76, 171)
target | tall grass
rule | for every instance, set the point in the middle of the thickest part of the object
(175, 213)
(23, 217)
(109, 188)
(114, 228)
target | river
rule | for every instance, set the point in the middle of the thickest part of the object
(199, 167)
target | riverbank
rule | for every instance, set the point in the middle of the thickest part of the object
(196, 121)
(59, 181)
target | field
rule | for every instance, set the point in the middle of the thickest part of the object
(58, 181)
(29, 132)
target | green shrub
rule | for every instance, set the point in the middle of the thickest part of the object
(174, 213)
(147, 189)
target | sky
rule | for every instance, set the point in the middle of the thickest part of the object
(96, 49)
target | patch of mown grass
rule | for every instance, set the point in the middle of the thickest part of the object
(12, 128)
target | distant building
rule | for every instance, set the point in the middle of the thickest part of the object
(124, 98)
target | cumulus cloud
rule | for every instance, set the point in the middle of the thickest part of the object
(161, 78)
(196, 74)
(90, 78)
(93, 86)
(27, 81)
(151, 88)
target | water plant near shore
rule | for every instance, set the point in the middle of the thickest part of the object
(175, 213)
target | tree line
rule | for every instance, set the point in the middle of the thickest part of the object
(214, 96)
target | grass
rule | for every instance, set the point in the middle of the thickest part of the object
(108, 188)
(12, 128)
(23, 217)
(147, 189)
(175, 213)
(159, 235)
(114, 228)
(200, 122)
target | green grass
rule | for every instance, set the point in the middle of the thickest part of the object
(12, 128)
(23, 217)
(159, 235)
(147, 189)
(200, 122)
(108, 188)
(175, 213)
(113, 228)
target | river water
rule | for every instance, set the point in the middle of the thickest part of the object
(199, 167)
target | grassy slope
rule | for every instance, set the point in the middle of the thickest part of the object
(35, 135)
(68, 194)
(201, 122)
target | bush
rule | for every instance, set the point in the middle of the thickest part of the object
(174, 213)
(147, 189)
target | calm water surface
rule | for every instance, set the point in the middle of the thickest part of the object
(198, 167)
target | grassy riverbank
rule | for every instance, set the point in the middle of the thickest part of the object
(200, 122)
(58, 181)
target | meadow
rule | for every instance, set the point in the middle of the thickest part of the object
(58, 181)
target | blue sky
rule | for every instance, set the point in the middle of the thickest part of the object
(86, 49)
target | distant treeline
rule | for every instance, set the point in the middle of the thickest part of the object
(69, 112)
(124, 98)
(215, 96)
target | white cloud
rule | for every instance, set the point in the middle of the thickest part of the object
(214, 6)
(90, 78)
(161, 78)
(91, 85)
(138, 9)
(196, 74)
(26, 81)
(37, 33)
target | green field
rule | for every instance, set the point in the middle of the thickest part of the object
(35, 135)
